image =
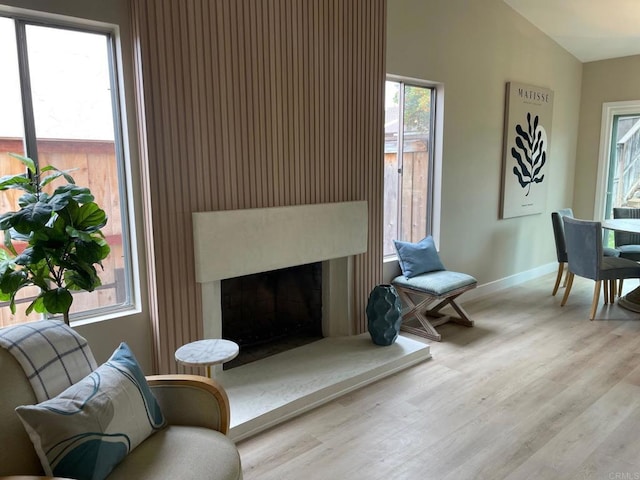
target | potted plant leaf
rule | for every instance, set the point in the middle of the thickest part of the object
(53, 241)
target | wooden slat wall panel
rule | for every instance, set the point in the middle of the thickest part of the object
(249, 104)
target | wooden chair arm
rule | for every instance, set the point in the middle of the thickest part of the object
(192, 400)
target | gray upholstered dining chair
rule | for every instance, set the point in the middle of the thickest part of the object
(585, 258)
(627, 243)
(561, 248)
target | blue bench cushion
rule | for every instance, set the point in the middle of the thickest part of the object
(436, 283)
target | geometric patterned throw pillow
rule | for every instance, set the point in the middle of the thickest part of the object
(89, 428)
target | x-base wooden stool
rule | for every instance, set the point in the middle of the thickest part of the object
(419, 292)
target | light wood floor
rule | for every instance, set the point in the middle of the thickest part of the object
(533, 391)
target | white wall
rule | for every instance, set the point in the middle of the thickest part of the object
(105, 336)
(474, 48)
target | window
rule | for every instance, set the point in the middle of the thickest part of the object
(618, 167)
(408, 162)
(60, 107)
(624, 166)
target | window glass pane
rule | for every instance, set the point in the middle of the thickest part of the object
(391, 166)
(72, 104)
(623, 186)
(415, 162)
(11, 140)
(407, 163)
(626, 164)
(70, 84)
(11, 124)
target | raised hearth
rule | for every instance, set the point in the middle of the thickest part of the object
(270, 391)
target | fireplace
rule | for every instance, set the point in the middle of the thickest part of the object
(234, 243)
(270, 312)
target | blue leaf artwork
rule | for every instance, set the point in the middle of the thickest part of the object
(525, 156)
(531, 152)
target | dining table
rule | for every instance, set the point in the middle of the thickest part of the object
(630, 301)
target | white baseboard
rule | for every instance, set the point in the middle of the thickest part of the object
(510, 281)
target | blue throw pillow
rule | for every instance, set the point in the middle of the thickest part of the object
(418, 258)
(90, 427)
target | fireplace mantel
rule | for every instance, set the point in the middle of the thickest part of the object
(234, 243)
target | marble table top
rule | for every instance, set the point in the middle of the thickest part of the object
(210, 351)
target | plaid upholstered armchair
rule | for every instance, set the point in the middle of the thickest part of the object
(63, 415)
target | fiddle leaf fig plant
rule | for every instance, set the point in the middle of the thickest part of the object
(54, 241)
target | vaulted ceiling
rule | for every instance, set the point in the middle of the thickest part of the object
(588, 29)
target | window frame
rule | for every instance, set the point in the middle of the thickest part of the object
(131, 305)
(610, 110)
(434, 181)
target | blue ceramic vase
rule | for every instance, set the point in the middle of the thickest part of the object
(384, 314)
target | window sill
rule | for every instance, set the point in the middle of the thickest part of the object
(390, 258)
(390, 268)
(102, 317)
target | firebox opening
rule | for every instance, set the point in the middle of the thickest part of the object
(270, 312)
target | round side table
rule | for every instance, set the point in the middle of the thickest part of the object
(208, 352)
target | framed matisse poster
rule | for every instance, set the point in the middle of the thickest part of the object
(527, 133)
